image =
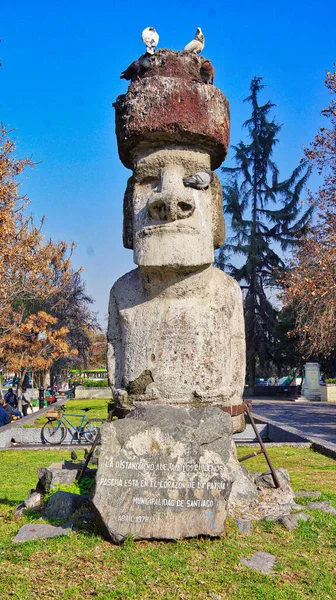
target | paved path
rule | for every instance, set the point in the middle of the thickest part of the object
(312, 419)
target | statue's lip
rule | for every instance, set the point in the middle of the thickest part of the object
(170, 227)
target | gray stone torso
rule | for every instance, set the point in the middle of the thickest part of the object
(187, 338)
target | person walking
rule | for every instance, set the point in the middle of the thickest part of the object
(10, 397)
(26, 402)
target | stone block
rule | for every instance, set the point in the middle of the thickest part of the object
(328, 392)
(260, 561)
(254, 496)
(311, 388)
(244, 493)
(263, 480)
(324, 506)
(34, 500)
(244, 526)
(58, 473)
(19, 510)
(291, 521)
(164, 473)
(38, 531)
(85, 393)
(62, 505)
(306, 494)
(64, 473)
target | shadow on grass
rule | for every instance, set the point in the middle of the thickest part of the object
(79, 522)
(8, 502)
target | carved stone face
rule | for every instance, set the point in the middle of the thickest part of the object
(172, 223)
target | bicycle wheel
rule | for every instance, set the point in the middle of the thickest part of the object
(90, 432)
(54, 432)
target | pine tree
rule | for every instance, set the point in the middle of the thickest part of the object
(265, 216)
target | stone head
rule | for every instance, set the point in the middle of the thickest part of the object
(169, 126)
(165, 222)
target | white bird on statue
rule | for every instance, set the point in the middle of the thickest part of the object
(197, 44)
(150, 37)
(200, 180)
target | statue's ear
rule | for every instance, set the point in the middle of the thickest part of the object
(128, 215)
(218, 223)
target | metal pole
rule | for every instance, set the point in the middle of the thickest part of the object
(88, 458)
(41, 397)
(263, 448)
(251, 455)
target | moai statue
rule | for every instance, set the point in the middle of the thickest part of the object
(176, 329)
(176, 344)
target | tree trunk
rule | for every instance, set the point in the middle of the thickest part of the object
(19, 389)
(46, 379)
(251, 373)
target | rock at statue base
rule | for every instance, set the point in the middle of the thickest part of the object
(165, 472)
(40, 531)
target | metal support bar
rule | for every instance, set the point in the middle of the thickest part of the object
(88, 458)
(247, 406)
(114, 411)
(251, 455)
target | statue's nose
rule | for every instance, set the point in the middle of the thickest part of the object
(172, 201)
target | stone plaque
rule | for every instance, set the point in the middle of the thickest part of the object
(164, 474)
(311, 383)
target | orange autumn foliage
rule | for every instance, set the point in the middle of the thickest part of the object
(32, 270)
(34, 344)
(97, 350)
(30, 266)
(311, 286)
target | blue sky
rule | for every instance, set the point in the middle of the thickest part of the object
(61, 63)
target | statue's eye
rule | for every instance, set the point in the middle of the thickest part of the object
(150, 180)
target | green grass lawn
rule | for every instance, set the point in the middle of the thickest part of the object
(84, 566)
(98, 410)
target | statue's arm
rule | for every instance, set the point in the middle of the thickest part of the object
(114, 347)
(238, 358)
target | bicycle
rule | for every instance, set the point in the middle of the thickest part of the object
(54, 431)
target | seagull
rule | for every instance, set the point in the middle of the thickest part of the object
(197, 44)
(207, 72)
(200, 180)
(137, 68)
(150, 38)
(73, 455)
